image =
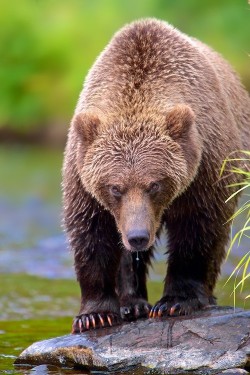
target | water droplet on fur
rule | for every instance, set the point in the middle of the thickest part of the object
(137, 258)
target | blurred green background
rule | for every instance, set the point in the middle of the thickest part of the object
(47, 47)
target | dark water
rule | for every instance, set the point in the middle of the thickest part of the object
(38, 292)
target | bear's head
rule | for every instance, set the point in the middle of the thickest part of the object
(135, 170)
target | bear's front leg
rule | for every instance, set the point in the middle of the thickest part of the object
(196, 249)
(95, 241)
(99, 302)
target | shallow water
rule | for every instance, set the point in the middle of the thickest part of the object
(38, 292)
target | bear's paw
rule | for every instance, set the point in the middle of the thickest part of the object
(85, 322)
(134, 308)
(182, 299)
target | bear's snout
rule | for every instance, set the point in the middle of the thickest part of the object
(138, 239)
(136, 220)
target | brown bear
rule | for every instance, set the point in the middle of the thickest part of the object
(158, 115)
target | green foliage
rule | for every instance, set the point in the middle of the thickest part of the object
(46, 47)
(241, 273)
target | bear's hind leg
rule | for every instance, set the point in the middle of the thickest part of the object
(132, 288)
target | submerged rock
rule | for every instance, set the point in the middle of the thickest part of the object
(209, 342)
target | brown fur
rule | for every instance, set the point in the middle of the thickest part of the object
(158, 114)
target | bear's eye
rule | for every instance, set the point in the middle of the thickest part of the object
(154, 188)
(115, 191)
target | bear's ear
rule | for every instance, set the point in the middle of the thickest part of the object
(86, 127)
(179, 121)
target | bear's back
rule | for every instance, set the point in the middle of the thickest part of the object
(149, 66)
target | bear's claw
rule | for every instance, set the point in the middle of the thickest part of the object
(159, 309)
(174, 308)
(135, 309)
(85, 322)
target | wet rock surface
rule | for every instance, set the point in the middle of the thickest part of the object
(213, 341)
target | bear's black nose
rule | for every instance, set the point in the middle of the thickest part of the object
(138, 239)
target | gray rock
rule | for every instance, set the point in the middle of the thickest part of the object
(209, 342)
(234, 371)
